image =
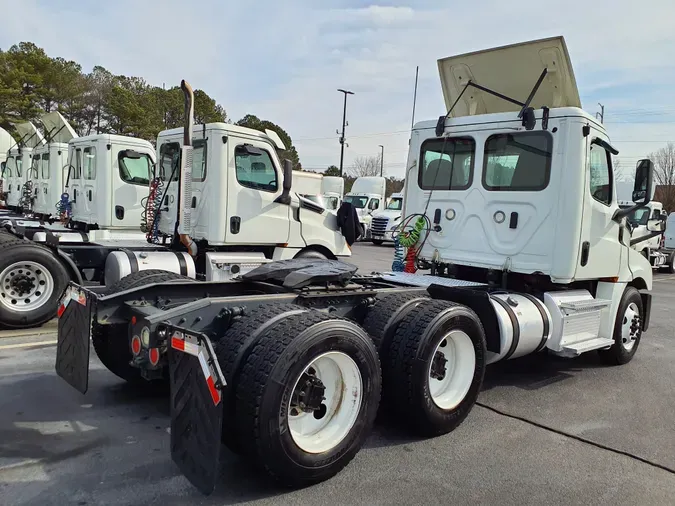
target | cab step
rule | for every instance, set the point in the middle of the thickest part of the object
(576, 349)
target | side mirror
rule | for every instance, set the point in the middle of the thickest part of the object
(657, 225)
(285, 197)
(644, 176)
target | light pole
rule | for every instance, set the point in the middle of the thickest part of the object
(344, 123)
(382, 161)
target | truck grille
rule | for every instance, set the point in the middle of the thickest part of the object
(379, 226)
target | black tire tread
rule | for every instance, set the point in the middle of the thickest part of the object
(615, 355)
(253, 379)
(140, 278)
(398, 382)
(227, 350)
(384, 312)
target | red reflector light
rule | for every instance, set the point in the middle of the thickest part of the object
(154, 356)
(136, 345)
(133, 320)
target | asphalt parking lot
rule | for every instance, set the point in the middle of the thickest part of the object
(546, 431)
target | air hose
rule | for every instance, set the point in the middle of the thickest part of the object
(64, 207)
(152, 210)
(408, 237)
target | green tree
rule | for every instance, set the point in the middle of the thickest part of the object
(332, 171)
(252, 121)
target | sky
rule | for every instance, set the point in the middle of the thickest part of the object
(284, 61)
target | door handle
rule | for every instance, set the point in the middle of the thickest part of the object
(74, 194)
(585, 252)
(89, 195)
(235, 224)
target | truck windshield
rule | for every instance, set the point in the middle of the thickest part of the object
(639, 216)
(395, 204)
(357, 202)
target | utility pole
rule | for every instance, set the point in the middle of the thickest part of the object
(601, 113)
(344, 123)
(382, 161)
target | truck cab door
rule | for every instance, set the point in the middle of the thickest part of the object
(600, 246)
(75, 187)
(43, 204)
(131, 180)
(254, 184)
(89, 197)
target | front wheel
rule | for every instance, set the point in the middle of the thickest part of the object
(378, 242)
(627, 329)
(307, 397)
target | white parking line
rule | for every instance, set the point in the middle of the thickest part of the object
(27, 345)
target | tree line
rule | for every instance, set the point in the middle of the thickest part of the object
(32, 83)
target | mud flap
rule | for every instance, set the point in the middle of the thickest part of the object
(72, 352)
(196, 409)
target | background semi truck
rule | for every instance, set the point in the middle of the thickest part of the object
(386, 222)
(367, 196)
(239, 211)
(286, 365)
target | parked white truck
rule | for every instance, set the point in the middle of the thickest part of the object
(529, 252)
(367, 196)
(6, 142)
(18, 164)
(234, 211)
(386, 222)
(654, 249)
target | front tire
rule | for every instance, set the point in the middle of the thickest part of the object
(627, 329)
(435, 367)
(378, 242)
(282, 421)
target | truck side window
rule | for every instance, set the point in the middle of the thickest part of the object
(374, 204)
(134, 170)
(601, 175)
(45, 166)
(35, 168)
(169, 157)
(255, 171)
(89, 158)
(77, 171)
(19, 166)
(517, 162)
(199, 160)
(446, 164)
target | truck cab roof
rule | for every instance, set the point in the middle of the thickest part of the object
(269, 135)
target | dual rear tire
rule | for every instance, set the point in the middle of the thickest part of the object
(304, 387)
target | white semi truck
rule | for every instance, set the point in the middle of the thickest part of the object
(386, 223)
(6, 142)
(653, 248)
(19, 161)
(530, 252)
(367, 196)
(237, 211)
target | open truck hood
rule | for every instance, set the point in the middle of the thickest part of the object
(512, 71)
(30, 137)
(57, 128)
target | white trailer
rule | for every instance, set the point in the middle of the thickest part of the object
(367, 196)
(529, 252)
